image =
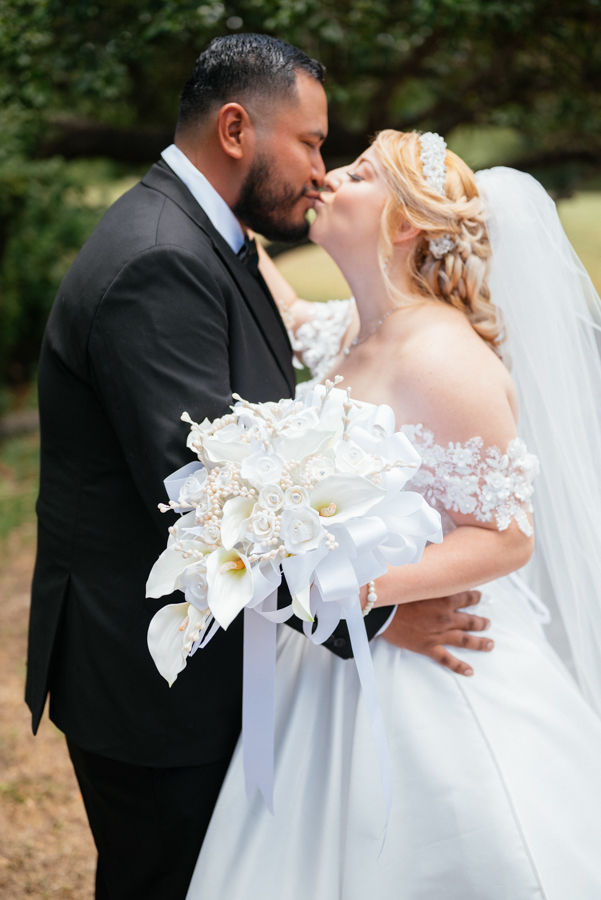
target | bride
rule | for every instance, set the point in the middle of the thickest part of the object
(497, 778)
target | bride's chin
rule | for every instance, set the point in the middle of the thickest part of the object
(315, 232)
(318, 231)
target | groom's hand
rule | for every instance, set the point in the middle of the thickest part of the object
(426, 626)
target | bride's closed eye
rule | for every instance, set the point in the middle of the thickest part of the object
(354, 177)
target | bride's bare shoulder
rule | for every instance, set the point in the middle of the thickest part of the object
(449, 373)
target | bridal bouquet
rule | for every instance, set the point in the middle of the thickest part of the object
(312, 489)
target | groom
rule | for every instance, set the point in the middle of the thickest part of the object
(164, 310)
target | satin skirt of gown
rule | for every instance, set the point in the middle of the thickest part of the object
(497, 779)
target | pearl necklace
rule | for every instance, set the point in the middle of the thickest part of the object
(358, 341)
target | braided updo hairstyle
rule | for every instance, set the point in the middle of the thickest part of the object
(459, 277)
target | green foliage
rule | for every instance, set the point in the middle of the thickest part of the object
(530, 64)
(525, 72)
(41, 230)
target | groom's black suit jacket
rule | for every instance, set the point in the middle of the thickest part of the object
(157, 315)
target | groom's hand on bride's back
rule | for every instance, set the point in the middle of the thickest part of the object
(429, 627)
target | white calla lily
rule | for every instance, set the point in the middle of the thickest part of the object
(164, 575)
(172, 632)
(217, 451)
(312, 443)
(235, 513)
(301, 606)
(338, 498)
(231, 584)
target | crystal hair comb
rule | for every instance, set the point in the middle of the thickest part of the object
(433, 153)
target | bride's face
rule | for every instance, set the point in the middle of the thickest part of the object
(349, 210)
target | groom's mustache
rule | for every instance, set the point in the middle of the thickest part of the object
(312, 191)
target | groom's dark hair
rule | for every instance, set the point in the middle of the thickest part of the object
(241, 66)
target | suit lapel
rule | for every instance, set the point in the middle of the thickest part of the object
(255, 292)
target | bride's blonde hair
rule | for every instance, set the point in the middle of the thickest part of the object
(459, 278)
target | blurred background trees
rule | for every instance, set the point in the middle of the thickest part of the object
(89, 95)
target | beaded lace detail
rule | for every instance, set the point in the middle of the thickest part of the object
(318, 341)
(481, 483)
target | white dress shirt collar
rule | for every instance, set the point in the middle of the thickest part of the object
(205, 194)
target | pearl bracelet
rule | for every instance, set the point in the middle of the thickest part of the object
(371, 598)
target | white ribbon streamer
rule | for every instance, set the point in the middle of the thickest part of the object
(367, 677)
(258, 704)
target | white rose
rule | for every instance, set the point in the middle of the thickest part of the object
(298, 424)
(320, 467)
(212, 534)
(352, 460)
(271, 497)
(194, 582)
(301, 530)
(192, 491)
(296, 497)
(203, 507)
(261, 526)
(225, 477)
(263, 468)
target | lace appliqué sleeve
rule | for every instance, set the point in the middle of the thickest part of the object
(318, 341)
(466, 479)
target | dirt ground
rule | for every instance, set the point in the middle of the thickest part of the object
(46, 849)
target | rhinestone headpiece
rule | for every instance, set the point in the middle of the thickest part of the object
(433, 154)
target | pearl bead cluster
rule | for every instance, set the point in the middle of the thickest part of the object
(346, 406)
(371, 598)
(329, 386)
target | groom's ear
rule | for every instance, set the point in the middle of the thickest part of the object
(404, 232)
(235, 131)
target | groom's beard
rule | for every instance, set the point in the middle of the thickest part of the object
(266, 205)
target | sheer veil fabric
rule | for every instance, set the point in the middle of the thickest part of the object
(551, 311)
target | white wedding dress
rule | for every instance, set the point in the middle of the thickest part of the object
(496, 778)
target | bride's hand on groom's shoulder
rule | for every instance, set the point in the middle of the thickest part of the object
(429, 627)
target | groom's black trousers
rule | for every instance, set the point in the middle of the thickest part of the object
(148, 823)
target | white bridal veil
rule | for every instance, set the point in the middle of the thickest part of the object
(551, 311)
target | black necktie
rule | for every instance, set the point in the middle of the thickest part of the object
(249, 255)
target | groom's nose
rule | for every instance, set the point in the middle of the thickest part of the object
(318, 171)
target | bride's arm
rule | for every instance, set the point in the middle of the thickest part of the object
(460, 391)
(468, 557)
(294, 311)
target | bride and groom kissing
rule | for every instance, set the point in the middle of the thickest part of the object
(172, 305)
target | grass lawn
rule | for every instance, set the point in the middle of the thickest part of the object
(19, 464)
(581, 218)
(317, 277)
